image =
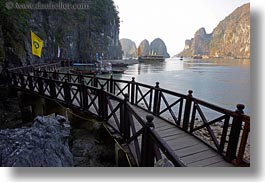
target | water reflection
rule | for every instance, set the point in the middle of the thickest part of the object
(219, 81)
(243, 63)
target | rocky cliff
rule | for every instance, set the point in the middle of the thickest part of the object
(69, 34)
(143, 49)
(231, 38)
(157, 47)
(129, 49)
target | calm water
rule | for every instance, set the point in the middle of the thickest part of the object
(225, 83)
(222, 82)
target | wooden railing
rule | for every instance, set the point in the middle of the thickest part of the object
(39, 67)
(111, 100)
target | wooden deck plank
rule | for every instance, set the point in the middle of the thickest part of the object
(221, 164)
(175, 136)
(191, 150)
(166, 127)
(170, 132)
(190, 158)
(160, 124)
(182, 143)
(206, 162)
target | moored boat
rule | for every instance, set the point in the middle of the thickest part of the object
(118, 71)
(151, 58)
(119, 64)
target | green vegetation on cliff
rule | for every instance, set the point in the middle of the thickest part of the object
(78, 34)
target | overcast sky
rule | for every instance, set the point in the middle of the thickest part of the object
(174, 21)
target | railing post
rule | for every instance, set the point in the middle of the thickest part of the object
(235, 134)
(45, 74)
(40, 85)
(187, 110)
(22, 81)
(9, 79)
(95, 81)
(147, 153)
(111, 87)
(67, 93)
(34, 72)
(103, 104)
(125, 119)
(55, 75)
(31, 88)
(157, 100)
(14, 76)
(80, 78)
(68, 76)
(84, 99)
(52, 88)
(133, 91)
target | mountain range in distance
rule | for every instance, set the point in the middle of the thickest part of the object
(156, 47)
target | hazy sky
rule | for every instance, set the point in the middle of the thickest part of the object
(172, 20)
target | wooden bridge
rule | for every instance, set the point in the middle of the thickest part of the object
(150, 122)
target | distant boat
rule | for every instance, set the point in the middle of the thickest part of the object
(151, 58)
(118, 71)
(105, 68)
(94, 69)
(197, 57)
(119, 64)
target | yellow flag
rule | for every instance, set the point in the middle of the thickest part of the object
(36, 44)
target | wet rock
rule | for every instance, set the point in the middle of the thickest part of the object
(10, 114)
(44, 144)
(90, 148)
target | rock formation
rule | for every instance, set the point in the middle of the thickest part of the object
(200, 43)
(143, 49)
(158, 47)
(128, 48)
(231, 38)
(45, 144)
(76, 35)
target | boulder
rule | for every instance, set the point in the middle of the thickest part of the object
(44, 144)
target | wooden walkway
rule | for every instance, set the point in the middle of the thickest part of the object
(147, 121)
(191, 151)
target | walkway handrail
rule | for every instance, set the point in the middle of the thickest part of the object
(31, 68)
(154, 140)
(183, 111)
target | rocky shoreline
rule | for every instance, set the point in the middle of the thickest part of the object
(44, 144)
(84, 144)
